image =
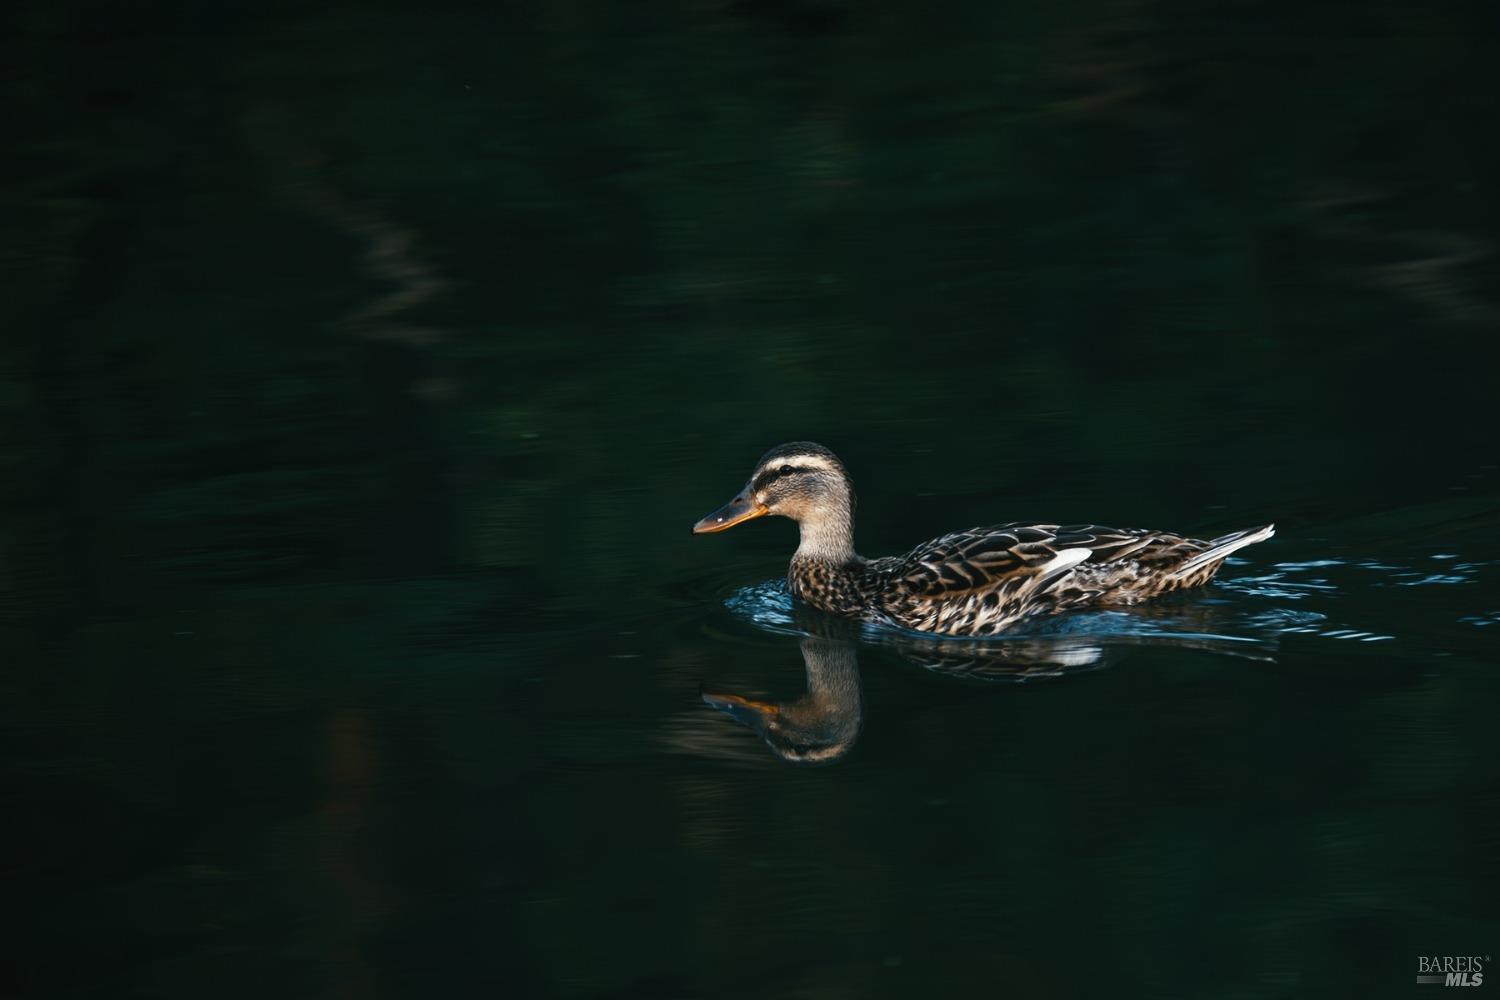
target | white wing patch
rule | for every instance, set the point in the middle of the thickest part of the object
(1062, 562)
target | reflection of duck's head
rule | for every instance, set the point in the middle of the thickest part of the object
(820, 726)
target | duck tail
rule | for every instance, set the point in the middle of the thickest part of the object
(1219, 548)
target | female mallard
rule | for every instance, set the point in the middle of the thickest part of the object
(975, 582)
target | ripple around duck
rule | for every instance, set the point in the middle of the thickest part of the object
(768, 605)
(1051, 645)
(1245, 615)
(1247, 612)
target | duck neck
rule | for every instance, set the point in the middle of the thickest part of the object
(827, 536)
(832, 673)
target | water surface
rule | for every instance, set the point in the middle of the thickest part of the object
(366, 368)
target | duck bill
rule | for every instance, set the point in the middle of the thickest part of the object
(742, 710)
(736, 511)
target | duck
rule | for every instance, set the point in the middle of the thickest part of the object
(977, 582)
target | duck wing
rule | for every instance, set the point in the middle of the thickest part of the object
(981, 580)
(1006, 555)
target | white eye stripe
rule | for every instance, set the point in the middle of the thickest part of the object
(817, 462)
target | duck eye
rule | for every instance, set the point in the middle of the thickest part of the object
(786, 470)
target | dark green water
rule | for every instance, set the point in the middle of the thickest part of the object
(365, 367)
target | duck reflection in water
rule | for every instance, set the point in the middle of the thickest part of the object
(1083, 642)
(822, 724)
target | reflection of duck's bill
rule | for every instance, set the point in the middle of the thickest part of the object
(745, 711)
(736, 511)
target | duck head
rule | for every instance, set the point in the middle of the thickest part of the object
(803, 481)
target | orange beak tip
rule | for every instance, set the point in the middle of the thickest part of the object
(734, 512)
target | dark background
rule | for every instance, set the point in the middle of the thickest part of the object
(364, 366)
